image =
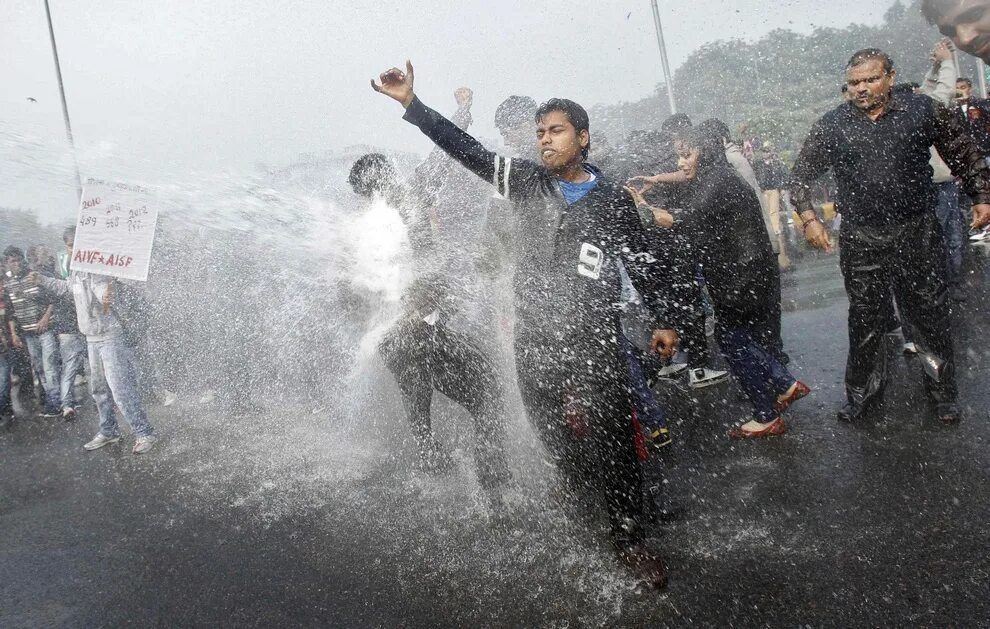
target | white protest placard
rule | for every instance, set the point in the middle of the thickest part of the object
(115, 230)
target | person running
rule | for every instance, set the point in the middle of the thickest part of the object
(719, 132)
(878, 144)
(724, 228)
(574, 228)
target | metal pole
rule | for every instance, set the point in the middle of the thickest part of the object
(667, 76)
(65, 108)
(981, 77)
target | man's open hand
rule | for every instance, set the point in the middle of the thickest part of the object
(981, 215)
(396, 84)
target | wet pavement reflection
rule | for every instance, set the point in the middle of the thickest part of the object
(296, 518)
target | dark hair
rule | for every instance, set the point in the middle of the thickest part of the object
(575, 114)
(934, 9)
(711, 153)
(716, 129)
(676, 123)
(871, 54)
(13, 252)
(513, 111)
(372, 173)
(963, 79)
(70, 232)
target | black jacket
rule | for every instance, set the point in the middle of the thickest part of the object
(567, 273)
(724, 231)
(882, 170)
(976, 114)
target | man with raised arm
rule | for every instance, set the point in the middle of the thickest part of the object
(877, 143)
(574, 230)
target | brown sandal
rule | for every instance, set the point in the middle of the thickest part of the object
(775, 427)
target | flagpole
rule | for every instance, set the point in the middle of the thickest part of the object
(65, 107)
(667, 76)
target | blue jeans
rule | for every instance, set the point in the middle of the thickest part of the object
(113, 382)
(761, 376)
(950, 216)
(43, 349)
(5, 366)
(73, 350)
(648, 409)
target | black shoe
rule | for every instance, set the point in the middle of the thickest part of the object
(855, 412)
(948, 413)
(644, 563)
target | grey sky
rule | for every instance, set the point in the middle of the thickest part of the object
(161, 88)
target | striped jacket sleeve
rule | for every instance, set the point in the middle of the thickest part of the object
(503, 172)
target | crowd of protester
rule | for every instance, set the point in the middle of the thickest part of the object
(625, 255)
(58, 325)
(627, 264)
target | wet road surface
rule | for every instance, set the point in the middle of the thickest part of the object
(305, 519)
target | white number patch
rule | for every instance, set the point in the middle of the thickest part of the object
(590, 261)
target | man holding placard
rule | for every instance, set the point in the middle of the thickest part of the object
(113, 379)
(113, 239)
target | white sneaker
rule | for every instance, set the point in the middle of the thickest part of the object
(169, 398)
(979, 235)
(910, 348)
(704, 377)
(99, 441)
(676, 366)
(143, 444)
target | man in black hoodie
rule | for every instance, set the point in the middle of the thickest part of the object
(575, 229)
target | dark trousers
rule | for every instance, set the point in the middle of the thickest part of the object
(760, 375)
(425, 358)
(648, 410)
(950, 217)
(577, 399)
(907, 260)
